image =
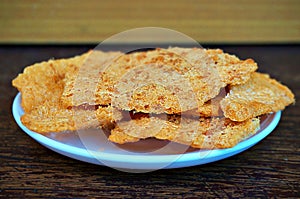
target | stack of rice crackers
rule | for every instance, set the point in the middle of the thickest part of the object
(203, 98)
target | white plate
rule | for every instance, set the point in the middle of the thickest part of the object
(141, 156)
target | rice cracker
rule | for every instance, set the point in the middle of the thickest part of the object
(42, 85)
(258, 96)
(203, 133)
(169, 81)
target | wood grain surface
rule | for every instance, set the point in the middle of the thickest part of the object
(270, 169)
(238, 21)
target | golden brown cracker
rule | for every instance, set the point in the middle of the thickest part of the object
(164, 82)
(81, 84)
(177, 79)
(42, 86)
(232, 70)
(41, 81)
(170, 80)
(204, 133)
(210, 108)
(45, 118)
(259, 95)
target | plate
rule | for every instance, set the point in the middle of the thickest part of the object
(142, 156)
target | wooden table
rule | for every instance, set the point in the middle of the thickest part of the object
(269, 169)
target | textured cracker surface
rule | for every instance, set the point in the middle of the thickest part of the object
(258, 96)
(204, 133)
(169, 81)
(232, 70)
(41, 81)
(164, 82)
(45, 119)
(81, 82)
(178, 79)
(42, 85)
(210, 108)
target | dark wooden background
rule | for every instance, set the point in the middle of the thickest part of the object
(269, 169)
